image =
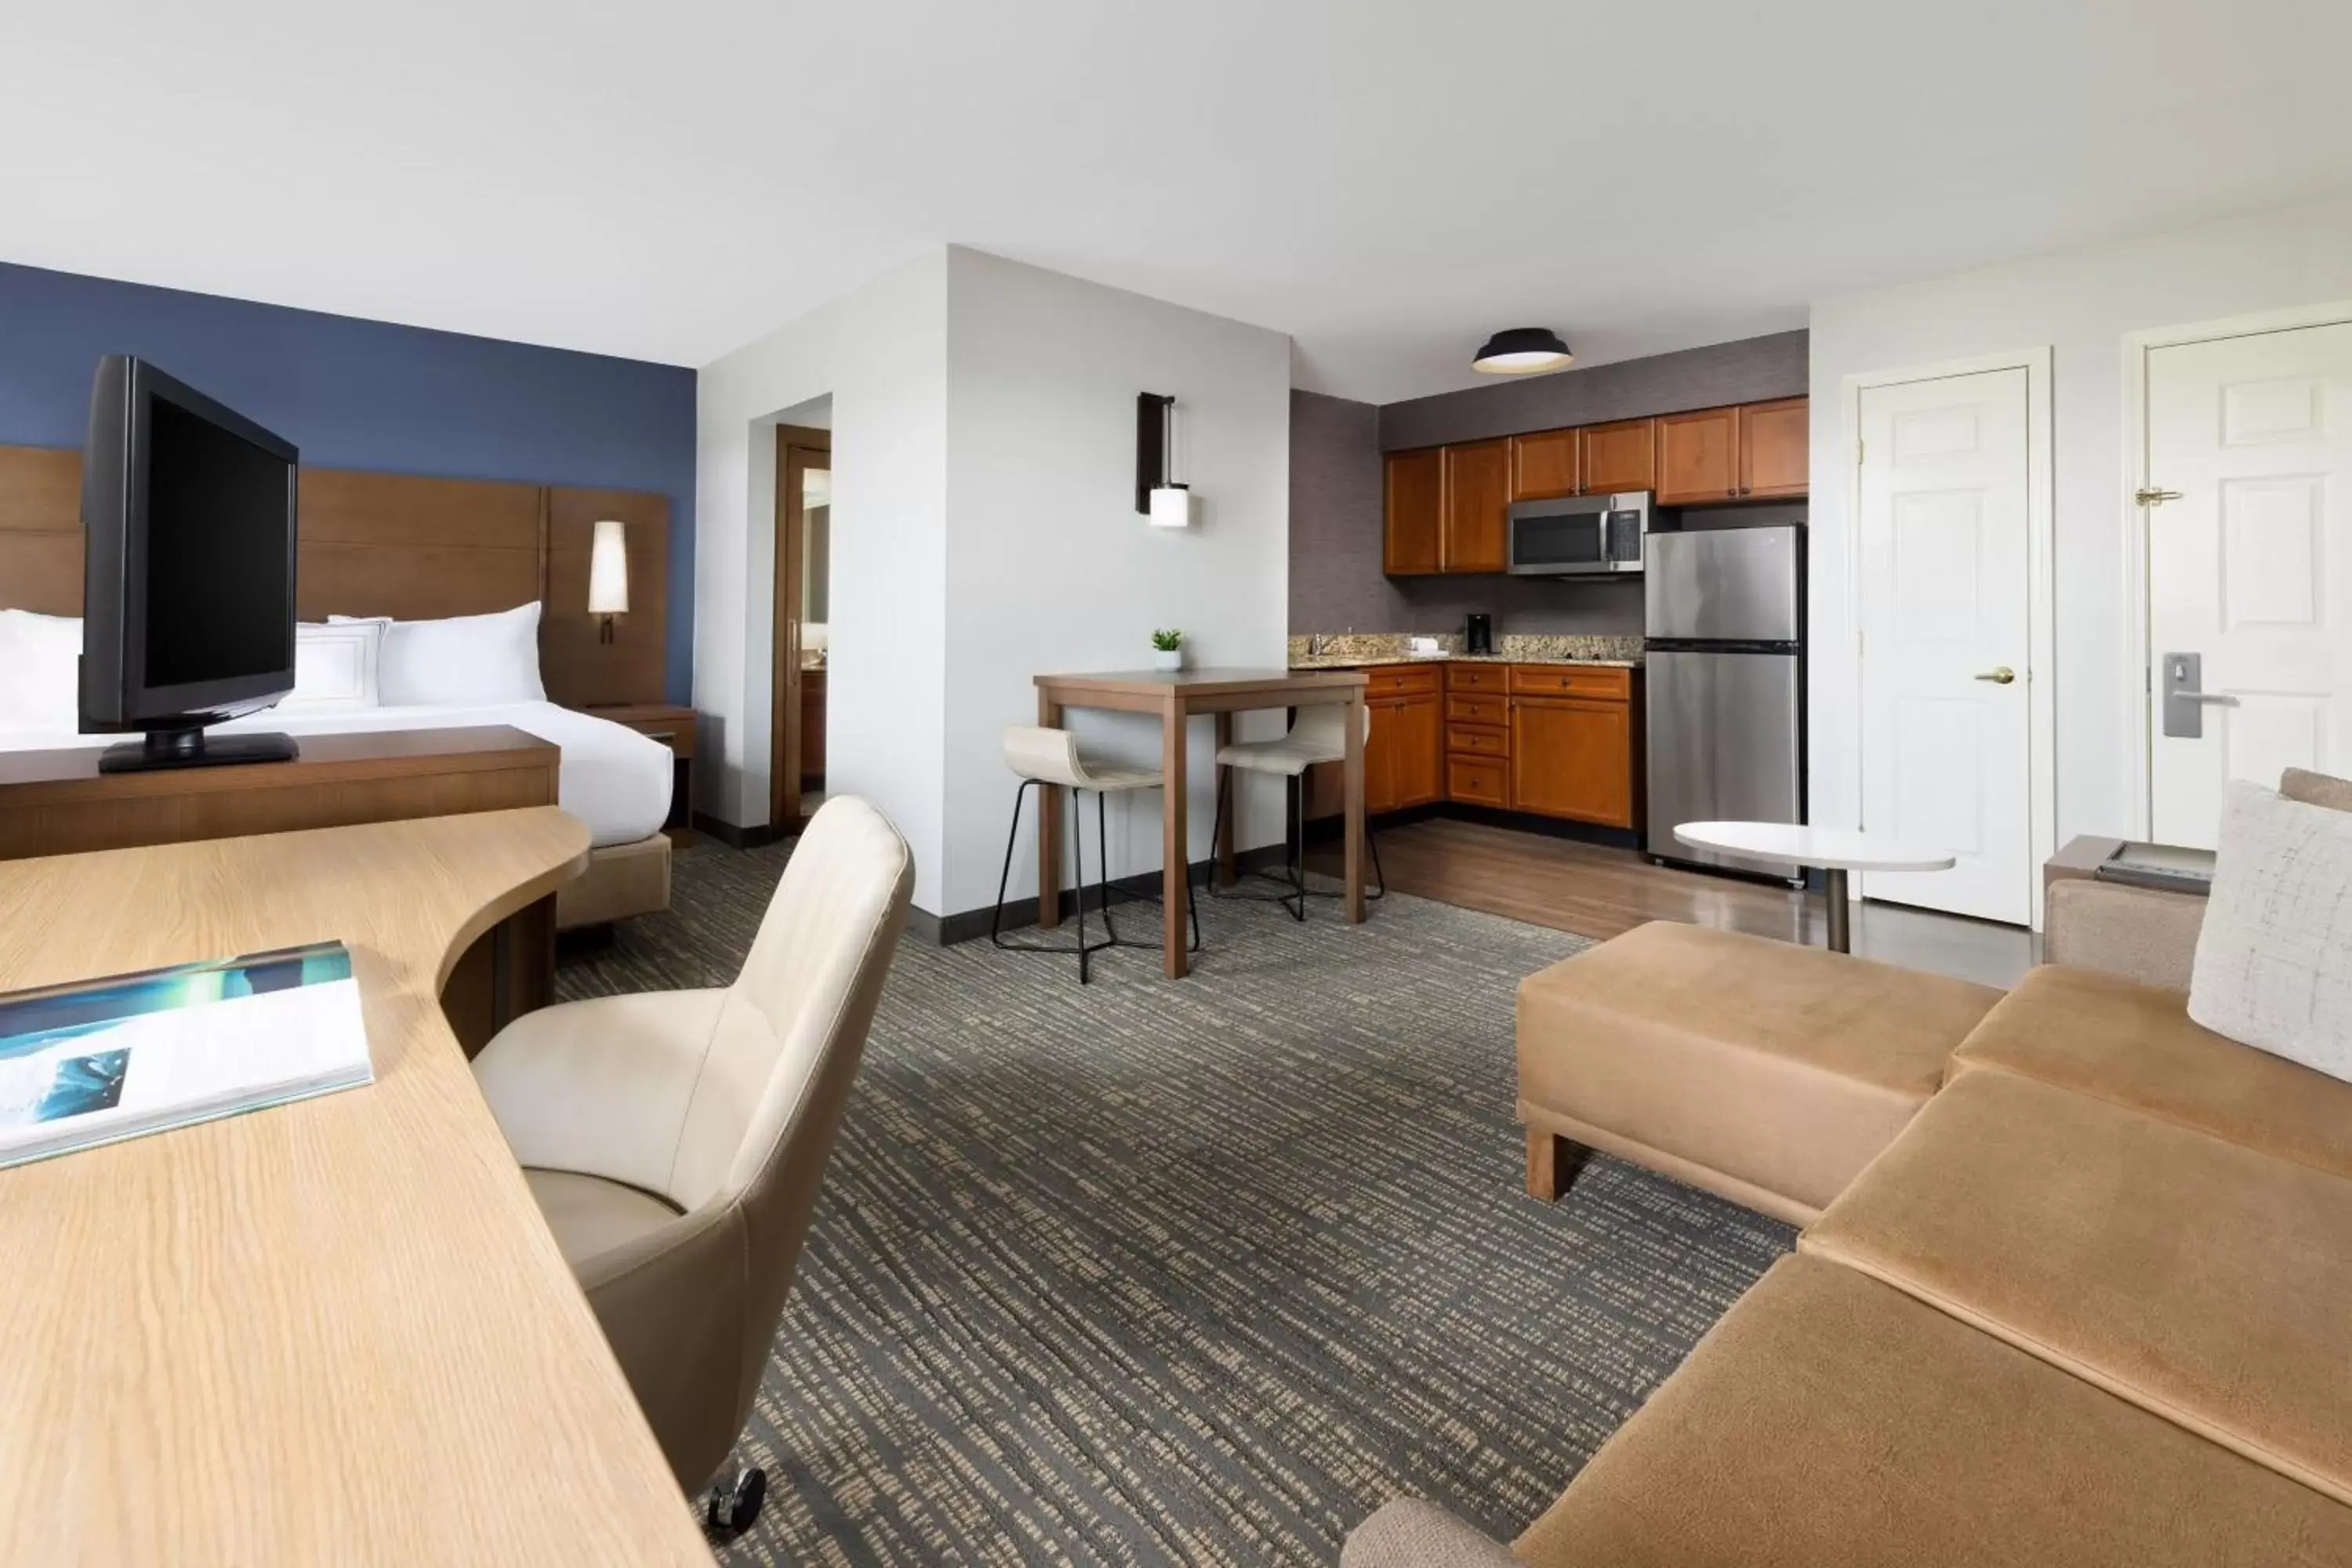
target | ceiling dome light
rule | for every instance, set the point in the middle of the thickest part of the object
(1523, 351)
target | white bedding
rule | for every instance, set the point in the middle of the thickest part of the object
(613, 779)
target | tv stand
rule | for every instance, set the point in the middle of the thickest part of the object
(190, 748)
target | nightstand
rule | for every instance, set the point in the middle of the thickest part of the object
(673, 726)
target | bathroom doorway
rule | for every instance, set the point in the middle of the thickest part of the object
(803, 631)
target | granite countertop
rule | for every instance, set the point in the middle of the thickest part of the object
(1372, 661)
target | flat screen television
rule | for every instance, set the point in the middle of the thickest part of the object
(187, 510)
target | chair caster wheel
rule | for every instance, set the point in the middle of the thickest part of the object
(732, 1508)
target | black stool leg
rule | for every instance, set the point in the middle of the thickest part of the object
(1085, 949)
(1004, 877)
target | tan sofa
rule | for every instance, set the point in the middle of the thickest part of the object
(2088, 1301)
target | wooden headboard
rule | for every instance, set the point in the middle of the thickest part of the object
(408, 547)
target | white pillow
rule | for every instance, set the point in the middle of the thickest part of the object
(464, 660)
(335, 665)
(2274, 955)
(40, 673)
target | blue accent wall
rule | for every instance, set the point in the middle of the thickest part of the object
(367, 394)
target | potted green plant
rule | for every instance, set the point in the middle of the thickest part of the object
(1168, 650)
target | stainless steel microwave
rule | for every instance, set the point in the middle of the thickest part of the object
(1579, 535)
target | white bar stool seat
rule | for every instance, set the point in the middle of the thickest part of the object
(1316, 736)
(1051, 760)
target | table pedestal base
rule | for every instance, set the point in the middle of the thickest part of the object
(1841, 936)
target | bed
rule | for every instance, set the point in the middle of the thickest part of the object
(419, 548)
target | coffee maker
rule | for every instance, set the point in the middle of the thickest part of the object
(1478, 634)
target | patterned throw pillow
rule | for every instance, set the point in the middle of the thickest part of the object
(2275, 957)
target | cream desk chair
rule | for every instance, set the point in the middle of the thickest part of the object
(674, 1139)
(1050, 759)
(1316, 736)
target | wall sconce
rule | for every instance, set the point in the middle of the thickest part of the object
(1167, 500)
(608, 574)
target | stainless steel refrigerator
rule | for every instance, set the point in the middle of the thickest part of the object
(1725, 669)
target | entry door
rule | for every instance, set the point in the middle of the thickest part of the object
(1946, 588)
(2250, 567)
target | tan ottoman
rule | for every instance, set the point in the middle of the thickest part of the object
(1767, 1072)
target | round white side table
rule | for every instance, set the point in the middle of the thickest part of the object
(1835, 851)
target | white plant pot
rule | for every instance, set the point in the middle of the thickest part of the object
(1168, 659)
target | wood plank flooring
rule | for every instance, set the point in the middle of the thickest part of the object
(1598, 892)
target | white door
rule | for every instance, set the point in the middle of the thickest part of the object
(1945, 548)
(2250, 569)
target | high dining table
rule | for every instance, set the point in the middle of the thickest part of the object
(1175, 696)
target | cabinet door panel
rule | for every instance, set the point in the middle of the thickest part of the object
(1379, 760)
(1416, 487)
(1775, 457)
(1698, 457)
(1573, 759)
(1544, 465)
(1477, 506)
(1418, 723)
(1620, 457)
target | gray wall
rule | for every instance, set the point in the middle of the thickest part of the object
(1336, 582)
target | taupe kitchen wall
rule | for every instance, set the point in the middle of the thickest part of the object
(1336, 582)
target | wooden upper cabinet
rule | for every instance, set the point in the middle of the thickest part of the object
(1774, 449)
(1618, 457)
(1698, 457)
(1544, 465)
(1416, 494)
(1477, 506)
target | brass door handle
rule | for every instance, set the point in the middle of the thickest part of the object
(2001, 675)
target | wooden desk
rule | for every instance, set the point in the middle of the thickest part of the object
(1175, 697)
(57, 803)
(335, 1331)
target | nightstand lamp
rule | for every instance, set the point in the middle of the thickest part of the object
(608, 574)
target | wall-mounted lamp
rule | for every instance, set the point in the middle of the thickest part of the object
(608, 574)
(1167, 500)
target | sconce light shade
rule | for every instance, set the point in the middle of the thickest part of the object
(1174, 506)
(1522, 350)
(608, 569)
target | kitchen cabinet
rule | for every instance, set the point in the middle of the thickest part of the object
(1753, 451)
(1698, 457)
(1574, 757)
(1416, 494)
(1775, 449)
(1544, 465)
(1554, 739)
(1621, 456)
(1478, 507)
(1401, 759)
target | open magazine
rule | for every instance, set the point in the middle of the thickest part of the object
(133, 1054)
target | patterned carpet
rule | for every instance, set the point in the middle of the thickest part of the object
(1196, 1271)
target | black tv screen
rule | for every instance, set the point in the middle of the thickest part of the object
(220, 587)
(188, 509)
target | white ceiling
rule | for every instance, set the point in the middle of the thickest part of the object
(1386, 180)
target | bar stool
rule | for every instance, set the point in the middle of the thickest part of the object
(1318, 734)
(1049, 758)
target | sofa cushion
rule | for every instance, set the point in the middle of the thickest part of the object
(2317, 789)
(2135, 1045)
(2274, 955)
(2207, 1282)
(1784, 1069)
(1829, 1419)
